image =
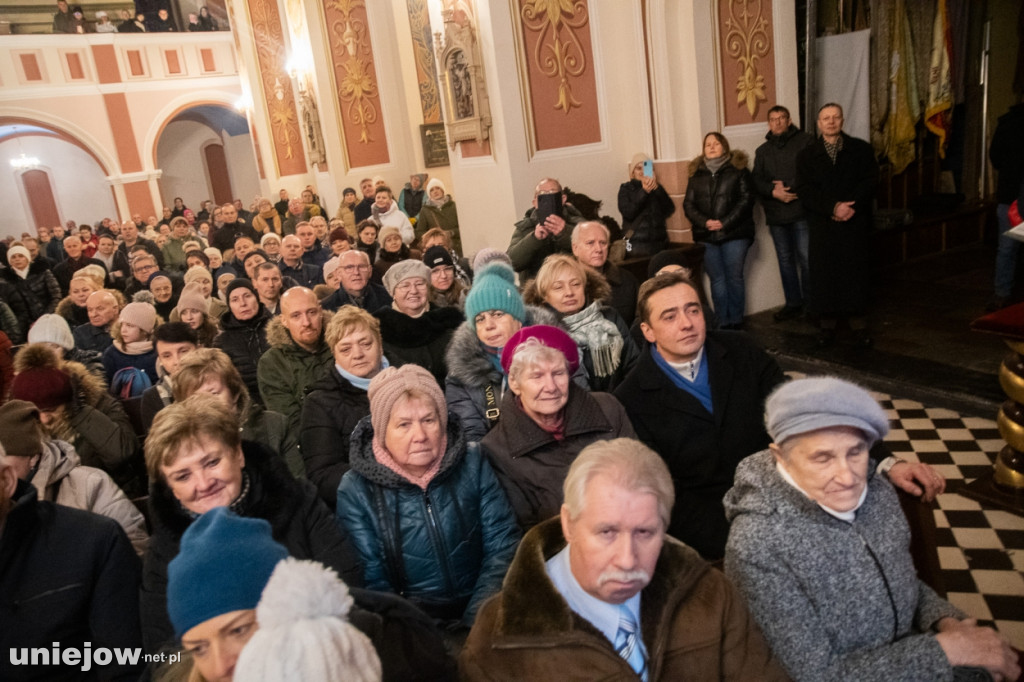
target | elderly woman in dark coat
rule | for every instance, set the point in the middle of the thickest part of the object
(720, 202)
(424, 508)
(546, 420)
(243, 334)
(337, 402)
(577, 294)
(819, 547)
(197, 461)
(476, 380)
(412, 329)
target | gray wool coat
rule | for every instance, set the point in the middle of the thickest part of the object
(835, 600)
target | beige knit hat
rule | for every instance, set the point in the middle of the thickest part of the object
(330, 266)
(142, 315)
(388, 386)
(192, 298)
(385, 232)
(195, 272)
(402, 270)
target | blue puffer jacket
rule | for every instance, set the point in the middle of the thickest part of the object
(457, 537)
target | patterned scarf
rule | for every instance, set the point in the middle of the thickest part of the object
(589, 329)
(833, 149)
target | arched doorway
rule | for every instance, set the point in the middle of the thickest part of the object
(205, 151)
(48, 176)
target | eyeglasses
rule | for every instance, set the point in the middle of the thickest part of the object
(145, 267)
(443, 270)
(408, 284)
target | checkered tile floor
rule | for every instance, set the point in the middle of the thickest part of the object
(981, 550)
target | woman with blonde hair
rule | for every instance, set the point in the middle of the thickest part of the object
(577, 294)
(335, 404)
(72, 307)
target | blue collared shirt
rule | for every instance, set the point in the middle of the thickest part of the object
(600, 614)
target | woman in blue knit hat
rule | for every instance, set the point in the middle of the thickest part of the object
(476, 381)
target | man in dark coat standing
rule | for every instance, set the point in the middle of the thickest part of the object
(836, 180)
(70, 581)
(774, 176)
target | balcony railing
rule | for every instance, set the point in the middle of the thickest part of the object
(31, 63)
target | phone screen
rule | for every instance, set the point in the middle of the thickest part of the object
(648, 169)
(548, 204)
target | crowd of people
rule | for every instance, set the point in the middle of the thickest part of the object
(362, 455)
(149, 17)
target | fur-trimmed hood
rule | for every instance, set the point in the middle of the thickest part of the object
(278, 335)
(88, 388)
(740, 159)
(467, 361)
(596, 289)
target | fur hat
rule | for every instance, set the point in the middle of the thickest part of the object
(52, 328)
(806, 405)
(388, 386)
(494, 289)
(192, 298)
(21, 432)
(403, 270)
(339, 234)
(304, 632)
(553, 337)
(142, 315)
(45, 387)
(224, 562)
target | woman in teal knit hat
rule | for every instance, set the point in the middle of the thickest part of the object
(476, 381)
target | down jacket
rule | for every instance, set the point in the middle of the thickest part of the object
(727, 195)
(836, 600)
(61, 478)
(287, 369)
(36, 295)
(531, 464)
(456, 538)
(97, 426)
(298, 520)
(245, 343)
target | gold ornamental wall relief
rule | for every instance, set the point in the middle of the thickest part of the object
(268, 36)
(747, 58)
(557, 68)
(356, 82)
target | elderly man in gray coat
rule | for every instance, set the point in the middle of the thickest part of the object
(819, 548)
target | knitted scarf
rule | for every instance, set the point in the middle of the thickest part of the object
(715, 165)
(381, 454)
(590, 330)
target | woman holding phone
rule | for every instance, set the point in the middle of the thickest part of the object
(644, 205)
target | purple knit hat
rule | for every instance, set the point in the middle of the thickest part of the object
(553, 337)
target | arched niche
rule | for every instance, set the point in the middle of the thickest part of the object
(182, 151)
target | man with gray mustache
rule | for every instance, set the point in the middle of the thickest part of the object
(601, 592)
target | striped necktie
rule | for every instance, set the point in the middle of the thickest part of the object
(628, 645)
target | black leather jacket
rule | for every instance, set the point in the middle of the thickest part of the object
(727, 195)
